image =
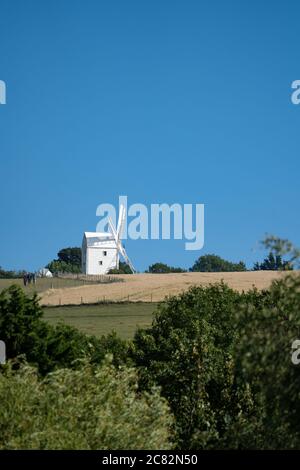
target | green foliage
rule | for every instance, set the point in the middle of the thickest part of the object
(70, 256)
(87, 408)
(214, 263)
(69, 261)
(46, 346)
(264, 366)
(221, 358)
(223, 361)
(123, 269)
(19, 319)
(282, 247)
(188, 352)
(159, 268)
(273, 263)
(11, 274)
(57, 266)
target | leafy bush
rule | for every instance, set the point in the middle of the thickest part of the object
(80, 409)
(214, 263)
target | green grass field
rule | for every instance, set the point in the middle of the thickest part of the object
(102, 319)
(97, 320)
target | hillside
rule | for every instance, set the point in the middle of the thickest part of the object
(155, 287)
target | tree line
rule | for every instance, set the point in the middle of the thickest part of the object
(282, 256)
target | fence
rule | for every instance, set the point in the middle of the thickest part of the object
(90, 278)
(103, 300)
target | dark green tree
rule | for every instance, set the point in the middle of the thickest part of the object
(57, 266)
(264, 365)
(214, 263)
(71, 255)
(224, 362)
(159, 268)
(4, 274)
(188, 353)
(48, 347)
(68, 261)
(272, 263)
(283, 248)
(19, 320)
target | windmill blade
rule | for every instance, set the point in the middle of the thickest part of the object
(120, 247)
(113, 230)
(125, 256)
(121, 221)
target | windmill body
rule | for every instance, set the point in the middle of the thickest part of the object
(101, 250)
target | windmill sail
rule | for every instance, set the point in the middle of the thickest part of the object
(116, 235)
(126, 258)
(121, 221)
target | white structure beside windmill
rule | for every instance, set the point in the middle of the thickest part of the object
(101, 250)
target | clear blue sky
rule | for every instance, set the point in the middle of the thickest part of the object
(163, 101)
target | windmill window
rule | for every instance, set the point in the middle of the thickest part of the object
(100, 263)
(104, 253)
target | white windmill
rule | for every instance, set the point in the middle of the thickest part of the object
(101, 250)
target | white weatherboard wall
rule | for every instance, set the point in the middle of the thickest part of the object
(99, 253)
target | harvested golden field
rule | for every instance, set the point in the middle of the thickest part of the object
(155, 287)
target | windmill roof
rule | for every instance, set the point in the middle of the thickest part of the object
(94, 239)
(98, 235)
